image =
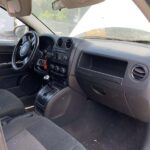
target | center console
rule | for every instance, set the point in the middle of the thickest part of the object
(55, 63)
(44, 96)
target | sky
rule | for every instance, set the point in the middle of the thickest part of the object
(112, 13)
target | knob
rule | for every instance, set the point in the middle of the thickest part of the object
(59, 57)
(57, 68)
(52, 66)
(65, 58)
(63, 70)
(46, 79)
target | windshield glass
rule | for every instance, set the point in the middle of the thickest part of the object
(114, 19)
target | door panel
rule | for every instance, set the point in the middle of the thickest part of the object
(24, 84)
(6, 52)
(8, 76)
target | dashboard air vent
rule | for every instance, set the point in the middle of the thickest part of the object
(139, 72)
(60, 42)
(69, 43)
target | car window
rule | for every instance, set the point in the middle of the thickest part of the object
(111, 19)
(11, 29)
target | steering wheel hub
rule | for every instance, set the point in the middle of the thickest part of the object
(25, 49)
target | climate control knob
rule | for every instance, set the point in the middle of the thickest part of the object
(57, 68)
(65, 57)
(63, 70)
(52, 66)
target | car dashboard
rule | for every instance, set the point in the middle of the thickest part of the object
(54, 58)
(113, 73)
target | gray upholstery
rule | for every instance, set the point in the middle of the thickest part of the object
(10, 105)
(2, 139)
(33, 132)
(24, 141)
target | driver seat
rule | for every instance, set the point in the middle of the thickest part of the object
(10, 105)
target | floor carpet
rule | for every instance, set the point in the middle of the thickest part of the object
(100, 128)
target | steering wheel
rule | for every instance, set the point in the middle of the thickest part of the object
(25, 51)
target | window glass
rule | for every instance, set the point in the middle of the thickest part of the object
(9, 26)
(111, 19)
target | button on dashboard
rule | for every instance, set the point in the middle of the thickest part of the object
(65, 57)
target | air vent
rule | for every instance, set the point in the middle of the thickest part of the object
(60, 42)
(139, 72)
(69, 43)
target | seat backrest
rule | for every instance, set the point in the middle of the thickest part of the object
(3, 145)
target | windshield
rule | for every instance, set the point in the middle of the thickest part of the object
(116, 19)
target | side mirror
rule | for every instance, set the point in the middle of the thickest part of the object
(19, 31)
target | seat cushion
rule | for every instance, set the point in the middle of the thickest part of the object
(10, 105)
(30, 132)
(3, 145)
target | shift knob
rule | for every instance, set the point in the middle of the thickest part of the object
(46, 79)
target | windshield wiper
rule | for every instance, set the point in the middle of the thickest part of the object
(102, 38)
(117, 39)
(141, 41)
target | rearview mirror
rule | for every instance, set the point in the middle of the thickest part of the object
(18, 8)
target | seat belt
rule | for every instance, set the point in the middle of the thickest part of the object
(3, 145)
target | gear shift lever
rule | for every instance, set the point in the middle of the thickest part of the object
(46, 80)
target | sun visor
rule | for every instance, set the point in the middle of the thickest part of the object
(18, 8)
(60, 4)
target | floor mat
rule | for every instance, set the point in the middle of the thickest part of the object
(100, 128)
